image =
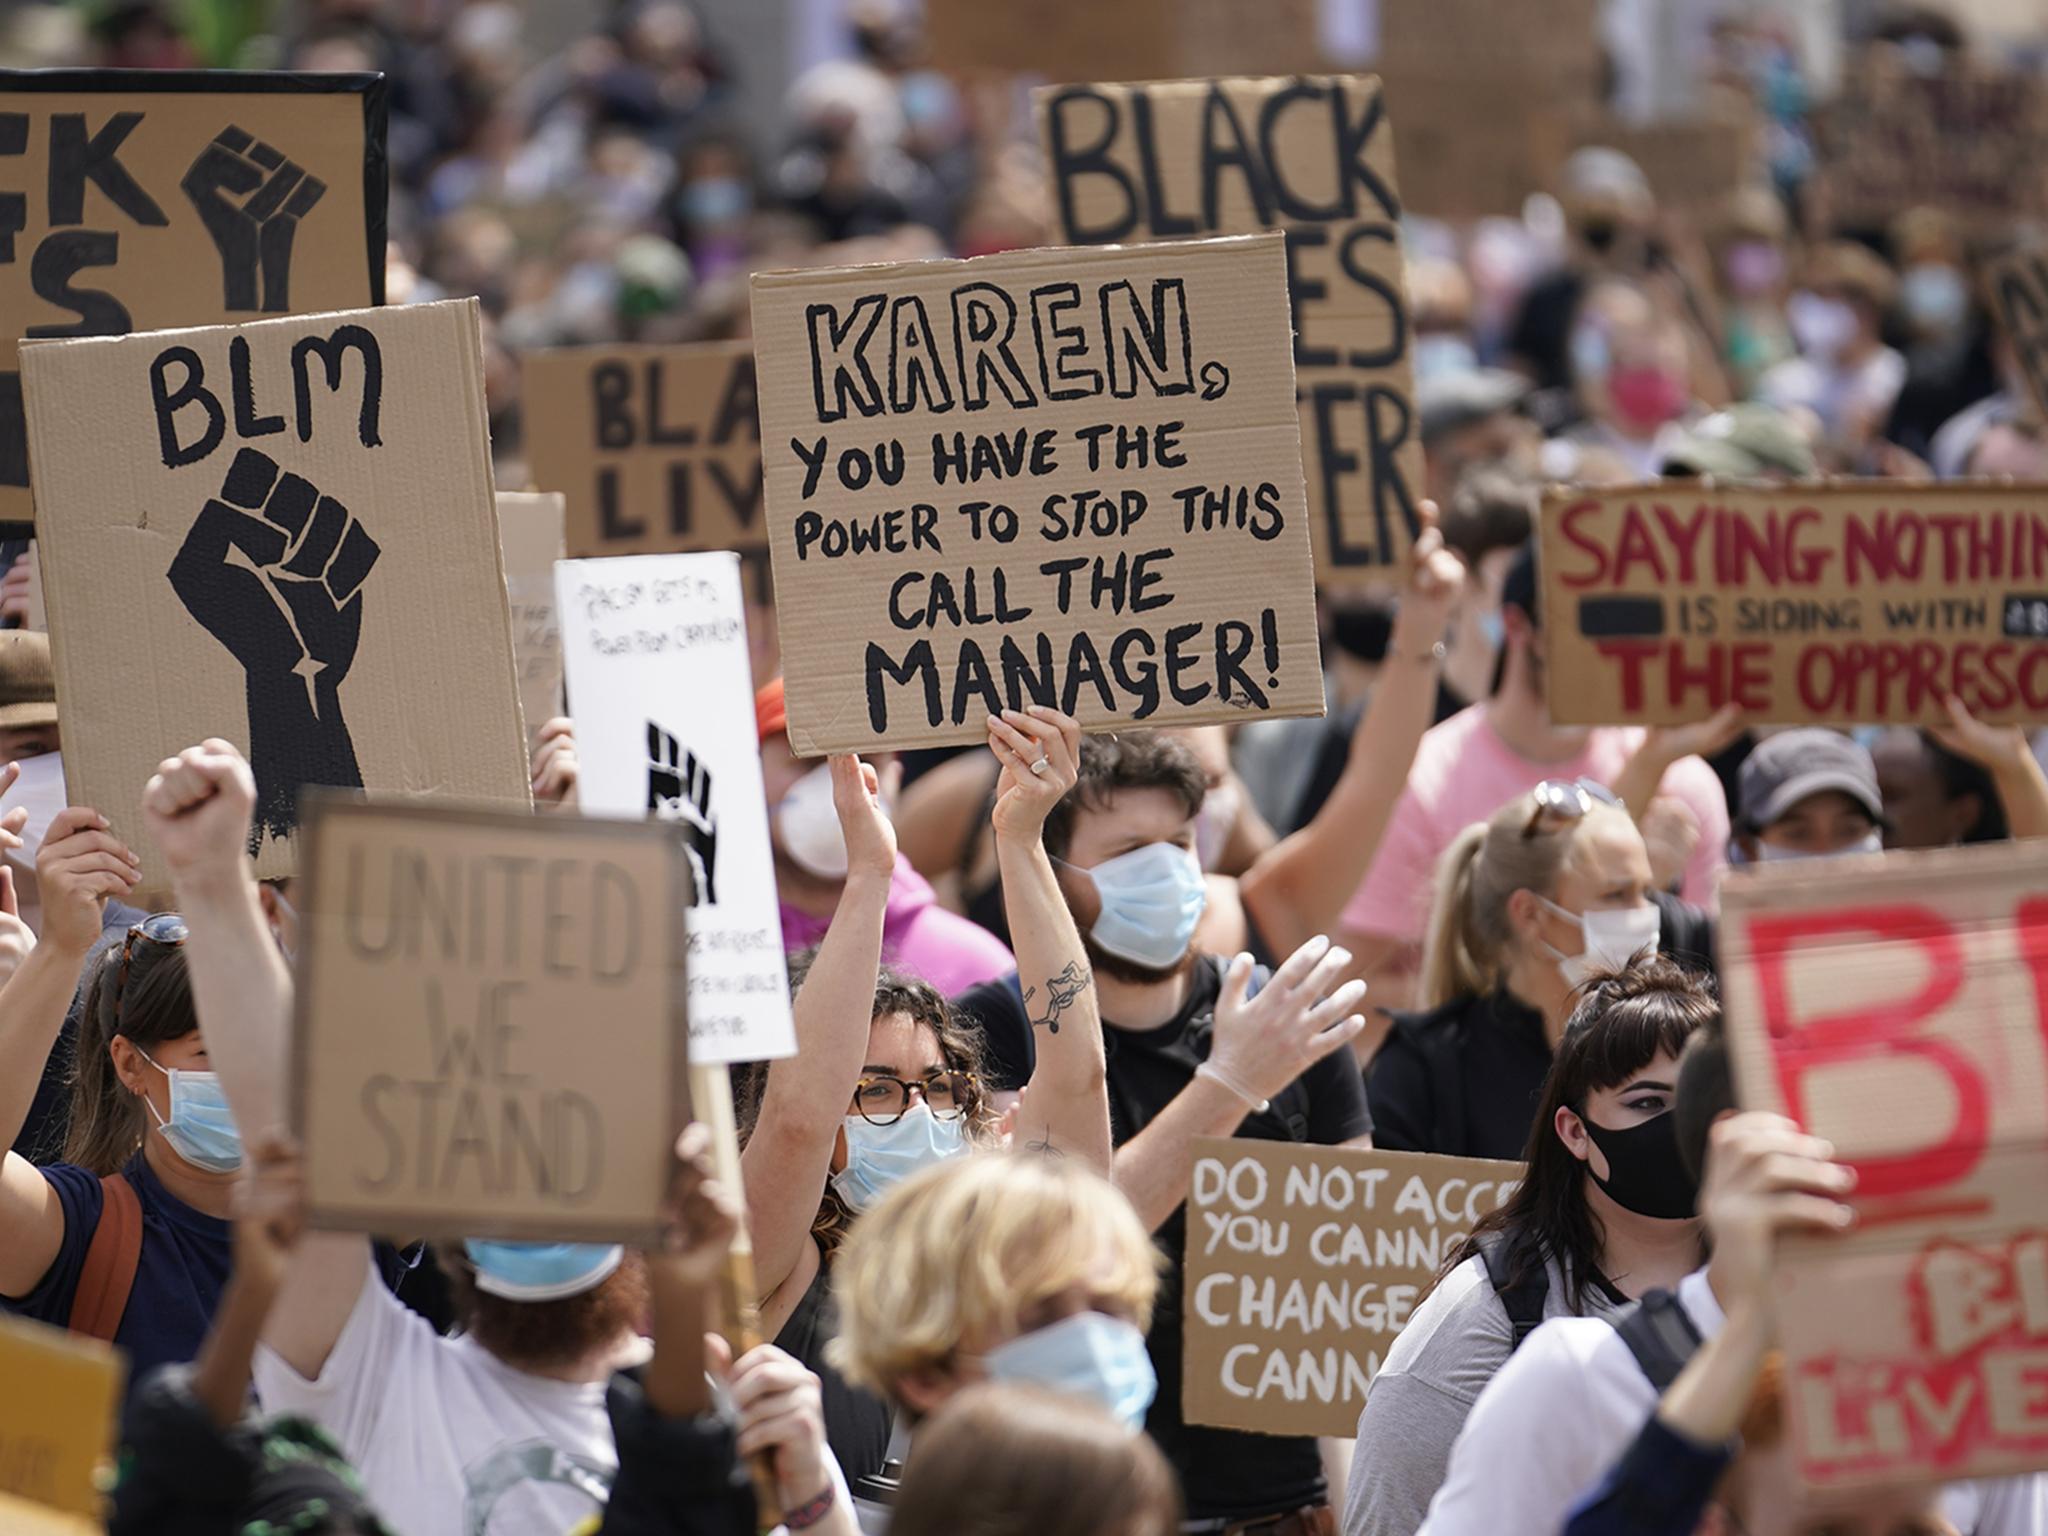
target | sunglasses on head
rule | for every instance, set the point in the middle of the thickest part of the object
(1567, 800)
(161, 931)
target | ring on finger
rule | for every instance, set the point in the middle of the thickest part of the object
(1040, 765)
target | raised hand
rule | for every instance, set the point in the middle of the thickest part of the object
(80, 865)
(251, 198)
(679, 790)
(196, 808)
(555, 764)
(274, 571)
(1301, 1015)
(1026, 794)
(17, 939)
(14, 589)
(870, 835)
(700, 1217)
(270, 1209)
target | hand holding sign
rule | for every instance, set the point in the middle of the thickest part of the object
(79, 865)
(870, 835)
(1027, 792)
(274, 571)
(1765, 1176)
(254, 237)
(1264, 1043)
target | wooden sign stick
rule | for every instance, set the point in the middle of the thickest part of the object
(738, 1309)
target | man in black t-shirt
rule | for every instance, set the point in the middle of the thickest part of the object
(1195, 1048)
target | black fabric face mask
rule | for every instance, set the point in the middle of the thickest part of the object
(1600, 234)
(1644, 1171)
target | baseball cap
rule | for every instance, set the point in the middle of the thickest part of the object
(1784, 769)
(771, 714)
(1466, 397)
(28, 687)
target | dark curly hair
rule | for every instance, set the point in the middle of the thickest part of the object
(960, 1043)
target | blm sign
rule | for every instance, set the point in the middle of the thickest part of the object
(135, 200)
(1313, 157)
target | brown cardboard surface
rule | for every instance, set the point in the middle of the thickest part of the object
(1837, 603)
(117, 178)
(1898, 1006)
(1304, 1264)
(530, 534)
(56, 1416)
(956, 591)
(1313, 156)
(656, 448)
(2019, 298)
(1554, 45)
(1972, 140)
(1692, 163)
(491, 1037)
(1135, 39)
(410, 687)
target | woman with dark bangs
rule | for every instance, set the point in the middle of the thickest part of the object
(1603, 1214)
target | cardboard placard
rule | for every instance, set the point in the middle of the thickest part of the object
(1899, 1008)
(491, 1037)
(1313, 156)
(133, 200)
(663, 697)
(1692, 163)
(1063, 475)
(57, 1414)
(1840, 603)
(18, 1517)
(1553, 44)
(1132, 40)
(656, 448)
(2019, 299)
(530, 533)
(1972, 140)
(283, 534)
(1303, 1266)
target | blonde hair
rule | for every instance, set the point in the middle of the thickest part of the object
(1002, 1459)
(967, 1247)
(1466, 950)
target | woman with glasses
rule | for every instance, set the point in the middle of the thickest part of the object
(1603, 1214)
(127, 1238)
(1529, 905)
(885, 1080)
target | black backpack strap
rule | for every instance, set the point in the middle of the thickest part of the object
(1523, 1299)
(1660, 1335)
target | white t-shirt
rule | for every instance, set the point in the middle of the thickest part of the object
(1573, 1398)
(450, 1441)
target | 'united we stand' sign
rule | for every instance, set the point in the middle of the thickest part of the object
(1900, 1009)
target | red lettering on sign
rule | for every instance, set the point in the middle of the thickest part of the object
(1800, 1045)
(1579, 538)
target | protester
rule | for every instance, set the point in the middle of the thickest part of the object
(1845, 374)
(1752, 267)
(1477, 761)
(508, 1419)
(885, 1080)
(1610, 212)
(1603, 1214)
(1932, 797)
(918, 934)
(1014, 1268)
(1470, 417)
(1530, 906)
(1195, 1053)
(1806, 794)
(1631, 373)
(1023, 1461)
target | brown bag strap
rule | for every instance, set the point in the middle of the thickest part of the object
(110, 1263)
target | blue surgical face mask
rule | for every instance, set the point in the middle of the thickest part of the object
(201, 1127)
(1442, 354)
(716, 200)
(1493, 628)
(1771, 853)
(541, 1271)
(1089, 1355)
(878, 1156)
(1152, 898)
(1935, 297)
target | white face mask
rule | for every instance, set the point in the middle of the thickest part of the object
(1611, 938)
(41, 788)
(807, 826)
(1772, 853)
(1823, 327)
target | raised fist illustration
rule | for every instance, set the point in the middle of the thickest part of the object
(274, 571)
(679, 790)
(251, 198)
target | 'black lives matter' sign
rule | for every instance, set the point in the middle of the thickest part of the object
(139, 200)
(1068, 477)
(1314, 158)
(657, 450)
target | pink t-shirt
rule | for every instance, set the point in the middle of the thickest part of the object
(1464, 773)
(919, 936)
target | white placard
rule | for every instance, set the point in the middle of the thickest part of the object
(655, 651)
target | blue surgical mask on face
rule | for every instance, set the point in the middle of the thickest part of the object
(878, 1156)
(541, 1271)
(1493, 628)
(1089, 1355)
(1152, 898)
(1442, 354)
(201, 1128)
(716, 200)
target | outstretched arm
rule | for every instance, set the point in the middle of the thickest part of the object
(2015, 771)
(1298, 888)
(788, 1157)
(1066, 1103)
(197, 809)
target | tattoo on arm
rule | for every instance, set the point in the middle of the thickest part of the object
(1061, 993)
